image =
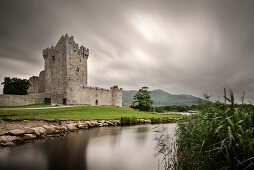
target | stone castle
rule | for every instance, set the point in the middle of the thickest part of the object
(64, 80)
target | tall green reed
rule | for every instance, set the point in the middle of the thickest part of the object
(221, 136)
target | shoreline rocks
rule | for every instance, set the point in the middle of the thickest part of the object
(29, 136)
(17, 136)
(16, 132)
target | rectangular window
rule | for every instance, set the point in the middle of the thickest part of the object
(53, 58)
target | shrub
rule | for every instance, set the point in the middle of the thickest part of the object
(159, 109)
(133, 120)
(164, 120)
(128, 120)
(155, 120)
(173, 108)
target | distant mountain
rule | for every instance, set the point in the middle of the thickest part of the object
(128, 96)
(162, 98)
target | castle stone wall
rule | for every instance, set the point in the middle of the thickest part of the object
(34, 82)
(20, 100)
(95, 96)
(76, 71)
(41, 88)
(56, 70)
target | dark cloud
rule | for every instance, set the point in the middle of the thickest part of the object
(180, 46)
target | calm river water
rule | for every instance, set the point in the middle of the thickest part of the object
(106, 148)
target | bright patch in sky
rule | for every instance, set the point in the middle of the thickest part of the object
(182, 41)
(149, 27)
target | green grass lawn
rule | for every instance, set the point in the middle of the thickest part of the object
(80, 113)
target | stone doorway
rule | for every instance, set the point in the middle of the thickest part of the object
(47, 100)
(64, 101)
(96, 102)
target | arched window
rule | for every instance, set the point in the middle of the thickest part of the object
(96, 102)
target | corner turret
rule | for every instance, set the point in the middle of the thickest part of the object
(116, 96)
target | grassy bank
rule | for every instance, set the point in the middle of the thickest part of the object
(80, 113)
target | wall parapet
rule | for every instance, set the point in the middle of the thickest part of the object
(95, 88)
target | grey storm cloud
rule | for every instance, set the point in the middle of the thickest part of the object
(180, 46)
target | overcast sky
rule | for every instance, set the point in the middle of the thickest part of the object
(180, 46)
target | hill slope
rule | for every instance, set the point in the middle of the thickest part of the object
(162, 98)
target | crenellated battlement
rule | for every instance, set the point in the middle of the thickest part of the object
(67, 40)
(83, 51)
(48, 51)
(94, 88)
(115, 87)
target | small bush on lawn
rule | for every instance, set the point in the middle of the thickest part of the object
(128, 120)
(155, 120)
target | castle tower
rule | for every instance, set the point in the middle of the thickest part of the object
(65, 70)
(64, 78)
(116, 96)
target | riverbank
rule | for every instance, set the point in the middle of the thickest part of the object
(17, 132)
(30, 122)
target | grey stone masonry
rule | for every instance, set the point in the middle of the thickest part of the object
(64, 79)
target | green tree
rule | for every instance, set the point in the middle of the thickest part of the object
(142, 100)
(15, 86)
